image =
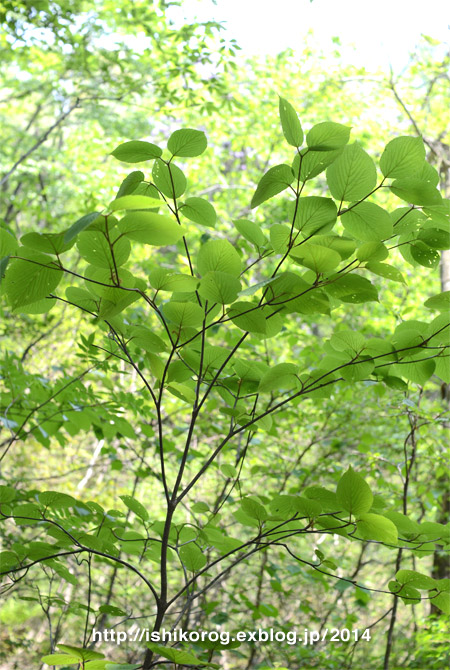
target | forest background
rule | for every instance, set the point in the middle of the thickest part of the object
(79, 79)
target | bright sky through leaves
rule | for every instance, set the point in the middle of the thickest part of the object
(383, 33)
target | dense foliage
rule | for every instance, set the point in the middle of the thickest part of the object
(238, 392)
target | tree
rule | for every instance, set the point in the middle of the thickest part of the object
(202, 353)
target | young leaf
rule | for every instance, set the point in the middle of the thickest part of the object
(275, 180)
(80, 225)
(192, 557)
(187, 142)
(136, 507)
(315, 215)
(60, 659)
(219, 287)
(136, 151)
(30, 278)
(168, 179)
(376, 527)
(416, 191)
(134, 202)
(158, 230)
(403, 157)
(352, 175)
(281, 376)
(353, 493)
(253, 509)
(130, 183)
(316, 257)
(251, 231)
(367, 222)
(96, 249)
(176, 655)
(8, 243)
(220, 256)
(385, 270)
(327, 136)
(290, 123)
(199, 211)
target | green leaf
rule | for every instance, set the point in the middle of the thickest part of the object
(424, 255)
(136, 151)
(130, 183)
(7, 494)
(316, 257)
(367, 222)
(385, 270)
(403, 157)
(280, 235)
(30, 278)
(163, 280)
(122, 666)
(136, 507)
(253, 509)
(376, 527)
(170, 180)
(249, 316)
(158, 230)
(327, 499)
(184, 314)
(353, 174)
(176, 655)
(416, 579)
(315, 215)
(275, 180)
(219, 287)
(307, 507)
(8, 243)
(290, 123)
(80, 225)
(8, 559)
(96, 249)
(81, 653)
(353, 493)
(219, 256)
(372, 251)
(192, 557)
(435, 237)
(327, 136)
(281, 376)
(442, 602)
(60, 659)
(199, 211)
(440, 302)
(416, 192)
(348, 340)
(251, 231)
(134, 202)
(47, 243)
(187, 142)
(351, 288)
(308, 164)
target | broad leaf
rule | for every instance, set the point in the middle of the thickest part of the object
(219, 256)
(199, 211)
(403, 157)
(29, 278)
(290, 123)
(136, 151)
(367, 222)
(275, 180)
(353, 493)
(353, 174)
(327, 136)
(156, 229)
(187, 142)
